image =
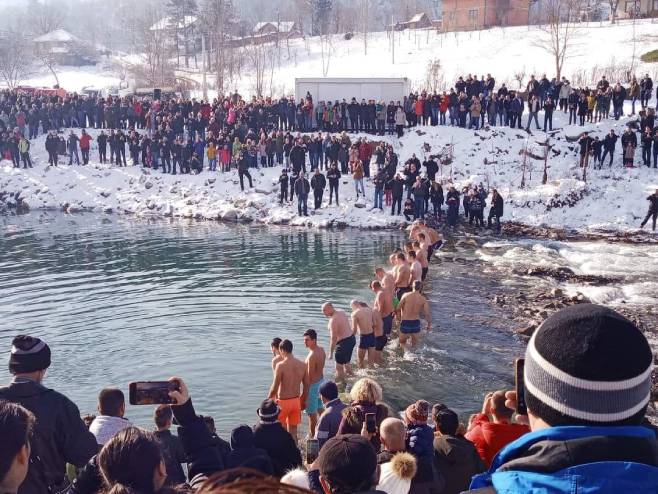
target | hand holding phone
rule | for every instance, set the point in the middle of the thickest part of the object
(520, 408)
(371, 423)
(312, 450)
(171, 392)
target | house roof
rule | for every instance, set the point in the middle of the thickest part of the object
(57, 36)
(284, 26)
(418, 17)
(169, 23)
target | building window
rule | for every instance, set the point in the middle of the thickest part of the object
(473, 17)
(655, 5)
(632, 6)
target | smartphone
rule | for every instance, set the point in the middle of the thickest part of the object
(521, 407)
(371, 423)
(312, 450)
(151, 392)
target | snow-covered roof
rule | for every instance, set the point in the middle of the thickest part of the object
(168, 23)
(283, 26)
(418, 17)
(57, 36)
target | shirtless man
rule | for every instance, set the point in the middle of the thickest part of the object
(415, 267)
(384, 305)
(402, 276)
(289, 375)
(432, 237)
(362, 322)
(342, 338)
(315, 370)
(421, 257)
(387, 280)
(409, 309)
(378, 331)
(274, 346)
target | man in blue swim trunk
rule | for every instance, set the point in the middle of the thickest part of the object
(409, 310)
(315, 370)
(363, 322)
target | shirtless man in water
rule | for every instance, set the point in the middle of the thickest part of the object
(384, 305)
(409, 309)
(415, 267)
(362, 321)
(430, 236)
(342, 339)
(421, 257)
(402, 276)
(315, 370)
(274, 346)
(378, 330)
(289, 375)
(387, 280)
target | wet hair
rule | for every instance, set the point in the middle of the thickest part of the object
(286, 346)
(416, 243)
(210, 423)
(412, 253)
(311, 333)
(128, 460)
(88, 419)
(366, 390)
(16, 426)
(163, 415)
(376, 285)
(401, 256)
(110, 402)
(275, 342)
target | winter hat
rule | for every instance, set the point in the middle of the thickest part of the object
(269, 411)
(329, 390)
(417, 412)
(588, 365)
(28, 354)
(348, 463)
(395, 476)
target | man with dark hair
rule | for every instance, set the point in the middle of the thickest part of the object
(222, 446)
(289, 375)
(491, 430)
(653, 210)
(454, 456)
(333, 412)
(16, 427)
(315, 371)
(172, 447)
(587, 383)
(274, 346)
(60, 435)
(348, 464)
(111, 408)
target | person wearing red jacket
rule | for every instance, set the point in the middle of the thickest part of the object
(492, 430)
(85, 144)
(365, 153)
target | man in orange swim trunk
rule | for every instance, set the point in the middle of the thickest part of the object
(289, 375)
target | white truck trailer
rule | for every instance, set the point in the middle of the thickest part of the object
(339, 88)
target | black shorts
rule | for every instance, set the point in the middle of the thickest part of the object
(380, 342)
(344, 349)
(388, 324)
(425, 270)
(367, 341)
(401, 291)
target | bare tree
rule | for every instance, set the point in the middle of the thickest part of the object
(434, 77)
(156, 69)
(46, 17)
(15, 59)
(50, 62)
(365, 23)
(256, 55)
(326, 51)
(561, 29)
(614, 5)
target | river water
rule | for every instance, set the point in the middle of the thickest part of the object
(120, 299)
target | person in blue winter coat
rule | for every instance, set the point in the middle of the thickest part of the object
(420, 443)
(587, 383)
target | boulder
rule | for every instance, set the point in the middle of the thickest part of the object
(526, 331)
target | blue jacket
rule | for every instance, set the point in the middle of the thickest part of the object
(582, 460)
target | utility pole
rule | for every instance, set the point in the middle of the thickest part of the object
(392, 40)
(204, 84)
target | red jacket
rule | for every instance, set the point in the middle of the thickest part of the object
(84, 141)
(489, 438)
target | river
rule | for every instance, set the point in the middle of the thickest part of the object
(121, 299)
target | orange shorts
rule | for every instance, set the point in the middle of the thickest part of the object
(291, 411)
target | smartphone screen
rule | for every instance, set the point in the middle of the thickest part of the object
(371, 424)
(151, 392)
(521, 407)
(312, 450)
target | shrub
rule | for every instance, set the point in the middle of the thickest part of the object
(650, 56)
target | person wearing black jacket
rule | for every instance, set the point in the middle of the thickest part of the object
(283, 183)
(52, 143)
(585, 143)
(431, 168)
(647, 142)
(397, 191)
(244, 454)
(655, 148)
(333, 175)
(298, 157)
(628, 138)
(653, 210)
(609, 143)
(318, 184)
(172, 447)
(243, 171)
(270, 435)
(496, 211)
(102, 147)
(60, 435)
(302, 189)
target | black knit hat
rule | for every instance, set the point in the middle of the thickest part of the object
(28, 354)
(588, 365)
(348, 463)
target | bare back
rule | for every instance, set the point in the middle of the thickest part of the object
(339, 326)
(403, 276)
(290, 375)
(411, 305)
(362, 320)
(377, 323)
(384, 302)
(315, 364)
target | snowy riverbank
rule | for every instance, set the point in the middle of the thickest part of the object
(612, 199)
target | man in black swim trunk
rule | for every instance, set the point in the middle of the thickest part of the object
(342, 339)
(362, 321)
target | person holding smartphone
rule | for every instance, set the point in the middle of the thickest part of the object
(587, 384)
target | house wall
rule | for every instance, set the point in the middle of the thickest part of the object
(461, 15)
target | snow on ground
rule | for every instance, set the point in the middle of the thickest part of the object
(501, 52)
(612, 199)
